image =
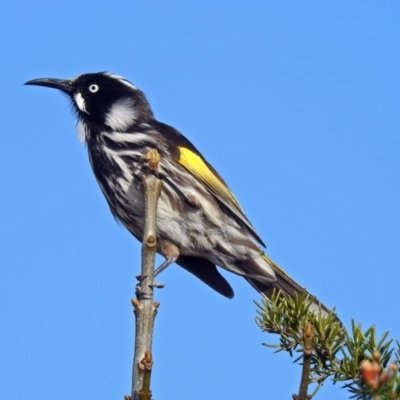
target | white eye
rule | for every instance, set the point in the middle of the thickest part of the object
(93, 88)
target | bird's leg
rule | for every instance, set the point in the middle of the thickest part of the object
(171, 254)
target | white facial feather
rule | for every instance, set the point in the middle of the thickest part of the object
(80, 102)
(121, 115)
(121, 79)
(82, 131)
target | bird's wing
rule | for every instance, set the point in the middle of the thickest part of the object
(190, 158)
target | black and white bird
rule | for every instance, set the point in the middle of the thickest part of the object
(200, 224)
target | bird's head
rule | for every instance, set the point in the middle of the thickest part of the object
(103, 98)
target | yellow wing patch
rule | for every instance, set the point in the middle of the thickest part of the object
(195, 164)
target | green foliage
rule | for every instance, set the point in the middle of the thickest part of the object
(367, 366)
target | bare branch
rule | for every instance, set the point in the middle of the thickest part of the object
(144, 307)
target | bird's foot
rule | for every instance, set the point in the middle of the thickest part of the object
(171, 254)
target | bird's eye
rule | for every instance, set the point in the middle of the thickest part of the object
(93, 88)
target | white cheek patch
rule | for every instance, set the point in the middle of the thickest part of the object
(121, 115)
(80, 102)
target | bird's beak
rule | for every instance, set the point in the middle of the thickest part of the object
(61, 84)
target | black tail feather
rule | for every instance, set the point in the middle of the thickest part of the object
(287, 285)
(207, 272)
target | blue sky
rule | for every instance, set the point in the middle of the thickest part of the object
(296, 104)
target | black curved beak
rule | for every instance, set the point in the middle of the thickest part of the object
(61, 84)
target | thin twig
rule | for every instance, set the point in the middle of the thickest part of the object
(144, 307)
(320, 378)
(308, 336)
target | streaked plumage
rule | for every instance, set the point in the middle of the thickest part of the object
(200, 224)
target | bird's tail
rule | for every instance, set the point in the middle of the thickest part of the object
(287, 285)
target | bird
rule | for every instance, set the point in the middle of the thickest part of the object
(200, 224)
